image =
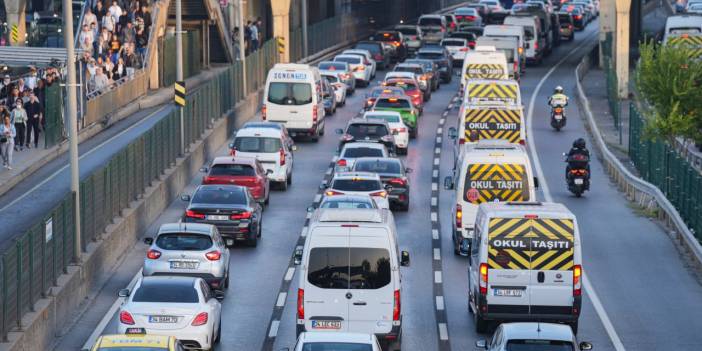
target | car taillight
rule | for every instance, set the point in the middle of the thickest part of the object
(232, 151)
(300, 304)
(282, 156)
(470, 18)
(333, 192)
(398, 182)
(483, 278)
(153, 254)
(193, 214)
(213, 255)
(459, 216)
(396, 43)
(463, 49)
(460, 17)
(314, 115)
(577, 285)
(126, 318)
(200, 319)
(520, 50)
(536, 45)
(207, 180)
(515, 66)
(443, 29)
(360, 68)
(341, 162)
(461, 141)
(378, 57)
(399, 130)
(577, 17)
(522, 142)
(240, 215)
(381, 193)
(396, 307)
(471, 44)
(557, 110)
(263, 112)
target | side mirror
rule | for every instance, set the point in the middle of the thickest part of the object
(585, 345)
(482, 343)
(219, 295)
(536, 182)
(231, 145)
(404, 259)
(310, 208)
(339, 131)
(123, 293)
(448, 183)
(294, 148)
(148, 240)
(185, 198)
(297, 256)
(323, 185)
(453, 133)
(408, 170)
(204, 169)
(269, 171)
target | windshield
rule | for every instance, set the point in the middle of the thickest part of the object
(348, 268)
(335, 346)
(393, 103)
(165, 292)
(564, 18)
(377, 166)
(257, 144)
(430, 55)
(283, 93)
(426, 64)
(389, 118)
(356, 184)
(373, 131)
(232, 170)
(217, 196)
(335, 202)
(372, 47)
(356, 152)
(452, 43)
(430, 21)
(377, 92)
(184, 241)
(331, 66)
(408, 31)
(330, 78)
(348, 59)
(539, 345)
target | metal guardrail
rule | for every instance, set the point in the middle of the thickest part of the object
(121, 93)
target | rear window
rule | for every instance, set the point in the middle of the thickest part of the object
(377, 92)
(257, 144)
(356, 152)
(346, 204)
(372, 47)
(564, 18)
(430, 21)
(392, 103)
(360, 131)
(184, 241)
(452, 43)
(430, 55)
(331, 79)
(405, 85)
(165, 292)
(348, 59)
(216, 196)
(232, 170)
(389, 118)
(331, 66)
(417, 70)
(349, 268)
(357, 184)
(376, 166)
(386, 36)
(408, 31)
(283, 93)
(539, 345)
(528, 32)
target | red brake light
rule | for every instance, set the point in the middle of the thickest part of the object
(515, 67)
(483, 278)
(333, 192)
(471, 44)
(314, 114)
(300, 304)
(396, 307)
(398, 181)
(577, 17)
(470, 18)
(381, 193)
(399, 130)
(153, 254)
(126, 318)
(463, 49)
(282, 156)
(193, 214)
(461, 141)
(577, 285)
(536, 45)
(459, 216)
(396, 43)
(213, 255)
(232, 151)
(263, 112)
(241, 215)
(341, 163)
(200, 319)
(531, 216)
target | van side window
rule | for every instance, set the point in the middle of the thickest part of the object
(477, 238)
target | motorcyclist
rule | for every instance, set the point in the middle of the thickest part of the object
(558, 98)
(579, 148)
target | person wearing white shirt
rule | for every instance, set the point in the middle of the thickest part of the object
(115, 11)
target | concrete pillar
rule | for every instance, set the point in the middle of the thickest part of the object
(281, 25)
(622, 47)
(607, 23)
(15, 17)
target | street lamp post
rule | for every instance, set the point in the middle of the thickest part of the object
(179, 67)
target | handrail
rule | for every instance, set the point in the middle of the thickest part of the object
(80, 23)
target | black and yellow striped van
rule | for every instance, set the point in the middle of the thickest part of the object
(525, 264)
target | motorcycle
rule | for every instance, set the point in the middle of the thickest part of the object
(578, 174)
(558, 118)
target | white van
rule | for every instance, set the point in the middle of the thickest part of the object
(535, 40)
(682, 25)
(501, 30)
(476, 123)
(485, 62)
(349, 274)
(293, 96)
(525, 265)
(487, 171)
(508, 46)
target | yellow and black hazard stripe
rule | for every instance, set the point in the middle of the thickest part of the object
(14, 34)
(490, 182)
(281, 44)
(179, 88)
(686, 40)
(493, 124)
(484, 71)
(536, 244)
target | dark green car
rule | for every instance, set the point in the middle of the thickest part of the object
(403, 105)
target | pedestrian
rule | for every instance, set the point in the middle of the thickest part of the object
(254, 37)
(34, 117)
(32, 79)
(119, 70)
(6, 89)
(247, 38)
(7, 144)
(237, 44)
(259, 25)
(128, 33)
(99, 11)
(18, 116)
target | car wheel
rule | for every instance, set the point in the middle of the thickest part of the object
(226, 281)
(268, 199)
(481, 325)
(283, 185)
(218, 336)
(253, 242)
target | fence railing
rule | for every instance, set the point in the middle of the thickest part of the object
(192, 57)
(126, 91)
(663, 166)
(611, 78)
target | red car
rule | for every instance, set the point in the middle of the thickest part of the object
(244, 171)
(411, 89)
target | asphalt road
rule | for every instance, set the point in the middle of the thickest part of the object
(640, 293)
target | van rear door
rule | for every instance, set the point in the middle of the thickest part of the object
(291, 102)
(508, 265)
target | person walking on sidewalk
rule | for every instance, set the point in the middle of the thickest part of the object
(7, 135)
(254, 37)
(34, 116)
(18, 116)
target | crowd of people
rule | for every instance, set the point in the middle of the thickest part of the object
(253, 36)
(22, 104)
(114, 37)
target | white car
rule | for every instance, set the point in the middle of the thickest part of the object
(533, 336)
(269, 146)
(352, 183)
(400, 132)
(173, 305)
(358, 67)
(336, 341)
(341, 90)
(457, 47)
(351, 151)
(370, 62)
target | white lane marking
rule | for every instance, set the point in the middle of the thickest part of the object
(108, 316)
(435, 234)
(437, 150)
(437, 254)
(434, 201)
(308, 215)
(289, 274)
(436, 161)
(437, 277)
(440, 130)
(86, 154)
(440, 303)
(438, 139)
(317, 197)
(273, 332)
(435, 173)
(281, 299)
(443, 331)
(434, 217)
(445, 113)
(601, 313)
(335, 158)
(434, 187)
(442, 121)
(450, 106)
(303, 233)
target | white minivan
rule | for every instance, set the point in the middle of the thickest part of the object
(293, 96)
(502, 30)
(349, 274)
(536, 43)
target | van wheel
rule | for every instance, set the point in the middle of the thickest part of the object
(574, 326)
(315, 138)
(481, 325)
(283, 185)
(289, 179)
(253, 242)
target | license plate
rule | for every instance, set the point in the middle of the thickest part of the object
(217, 217)
(558, 117)
(579, 181)
(508, 292)
(183, 265)
(326, 324)
(163, 319)
(135, 331)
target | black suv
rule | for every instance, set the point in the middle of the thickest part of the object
(393, 39)
(442, 59)
(376, 49)
(359, 129)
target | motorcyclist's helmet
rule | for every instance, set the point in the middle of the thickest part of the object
(579, 143)
(558, 90)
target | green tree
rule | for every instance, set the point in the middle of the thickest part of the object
(669, 79)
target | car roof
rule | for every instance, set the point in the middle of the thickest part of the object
(134, 340)
(360, 144)
(259, 132)
(368, 215)
(234, 160)
(350, 197)
(361, 120)
(263, 124)
(537, 331)
(365, 175)
(382, 113)
(333, 62)
(431, 49)
(431, 16)
(336, 337)
(183, 227)
(509, 209)
(170, 279)
(356, 52)
(347, 56)
(401, 79)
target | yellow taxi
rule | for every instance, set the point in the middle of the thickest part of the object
(137, 342)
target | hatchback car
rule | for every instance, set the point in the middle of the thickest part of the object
(342, 70)
(173, 305)
(351, 151)
(244, 171)
(431, 70)
(403, 105)
(400, 132)
(287, 139)
(376, 92)
(412, 36)
(395, 41)
(230, 208)
(423, 78)
(358, 183)
(441, 57)
(376, 49)
(367, 58)
(458, 48)
(393, 174)
(567, 26)
(329, 97)
(340, 89)
(321, 341)
(533, 336)
(363, 130)
(468, 15)
(270, 147)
